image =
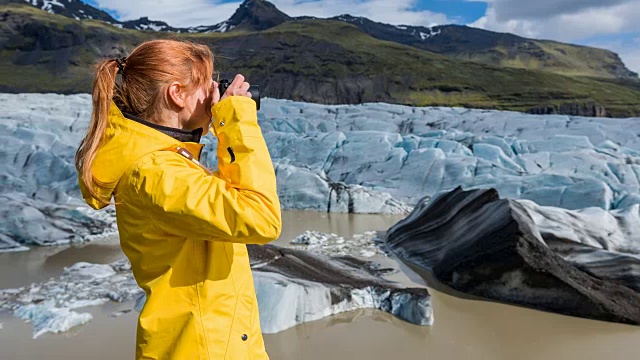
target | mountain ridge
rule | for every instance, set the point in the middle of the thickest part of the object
(500, 49)
(457, 41)
(314, 60)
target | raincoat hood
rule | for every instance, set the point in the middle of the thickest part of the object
(121, 147)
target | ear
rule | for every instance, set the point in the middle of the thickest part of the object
(177, 94)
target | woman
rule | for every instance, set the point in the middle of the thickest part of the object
(183, 227)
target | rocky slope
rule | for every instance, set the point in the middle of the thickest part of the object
(74, 9)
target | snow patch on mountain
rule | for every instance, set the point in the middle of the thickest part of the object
(46, 5)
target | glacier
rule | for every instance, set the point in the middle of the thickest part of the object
(369, 158)
(407, 152)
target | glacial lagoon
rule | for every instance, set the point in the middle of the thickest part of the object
(463, 329)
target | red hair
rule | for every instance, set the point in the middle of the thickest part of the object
(147, 73)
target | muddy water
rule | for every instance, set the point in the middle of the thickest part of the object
(41, 263)
(463, 329)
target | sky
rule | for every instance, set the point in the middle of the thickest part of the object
(609, 24)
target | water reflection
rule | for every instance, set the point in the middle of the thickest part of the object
(41, 263)
(346, 225)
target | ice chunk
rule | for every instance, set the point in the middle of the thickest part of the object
(7, 244)
(48, 318)
(358, 199)
(311, 286)
(301, 188)
(303, 301)
(557, 257)
(360, 245)
(315, 238)
(85, 270)
(80, 285)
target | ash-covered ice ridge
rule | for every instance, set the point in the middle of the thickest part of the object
(575, 262)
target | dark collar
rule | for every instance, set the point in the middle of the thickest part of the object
(178, 134)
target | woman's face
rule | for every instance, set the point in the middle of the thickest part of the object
(197, 110)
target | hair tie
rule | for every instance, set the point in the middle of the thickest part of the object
(120, 63)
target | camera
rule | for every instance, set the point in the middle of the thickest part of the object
(253, 89)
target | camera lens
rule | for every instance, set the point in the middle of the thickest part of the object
(253, 89)
(223, 85)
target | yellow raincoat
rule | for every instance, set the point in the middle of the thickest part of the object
(184, 230)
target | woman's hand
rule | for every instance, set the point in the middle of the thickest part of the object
(238, 87)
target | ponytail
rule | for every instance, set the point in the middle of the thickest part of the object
(102, 95)
(149, 70)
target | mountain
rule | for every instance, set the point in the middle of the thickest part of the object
(250, 16)
(499, 49)
(460, 42)
(74, 9)
(79, 10)
(258, 15)
(144, 23)
(314, 60)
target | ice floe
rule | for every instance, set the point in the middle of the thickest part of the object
(47, 318)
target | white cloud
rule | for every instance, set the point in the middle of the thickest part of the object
(572, 21)
(183, 13)
(565, 26)
(187, 13)
(390, 12)
(519, 9)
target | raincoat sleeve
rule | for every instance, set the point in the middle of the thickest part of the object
(238, 203)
